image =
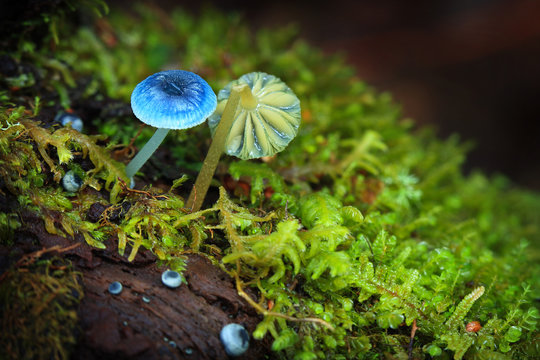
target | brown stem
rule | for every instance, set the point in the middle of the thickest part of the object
(204, 178)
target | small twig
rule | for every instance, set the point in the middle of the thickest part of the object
(293, 284)
(265, 312)
(413, 332)
(30, 258)
(104, 217)
(129, 149)
(369, 245)
(194, 196)
(126, 188)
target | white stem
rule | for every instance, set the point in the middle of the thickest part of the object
(148, 149)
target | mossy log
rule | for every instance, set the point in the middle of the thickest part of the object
(146, 320)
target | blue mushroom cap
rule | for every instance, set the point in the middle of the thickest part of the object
(173, 99)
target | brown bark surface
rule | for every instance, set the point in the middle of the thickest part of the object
(147, 320)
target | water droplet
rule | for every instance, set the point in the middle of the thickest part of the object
(235, 339)
(171, 278)
(71, 181)
(115, 288)
(70, 119)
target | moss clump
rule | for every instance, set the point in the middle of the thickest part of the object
(38, 308)
(363, 238)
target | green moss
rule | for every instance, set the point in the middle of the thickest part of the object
(370, 227)
(38, 309)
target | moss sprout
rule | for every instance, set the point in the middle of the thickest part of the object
(38, 310)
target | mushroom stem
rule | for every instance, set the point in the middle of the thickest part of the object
(204, 178)
(247, 99)
(148, 149)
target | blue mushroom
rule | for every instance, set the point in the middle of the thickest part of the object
(172, 99)
(235, 339)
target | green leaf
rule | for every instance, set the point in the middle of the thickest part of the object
(359, 345)
(463, 308)
(434, 350)
(351, 215)
(324, 238)
(513, 334)
(286, 338)
(390, 320)
(504, 346)
(178, 182)
(459, 343)
(305, 355)
(320, 209)
(383, 245)
(337, 263)
(258, 173)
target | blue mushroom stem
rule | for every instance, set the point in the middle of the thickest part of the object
(238, 93)
(148, 149)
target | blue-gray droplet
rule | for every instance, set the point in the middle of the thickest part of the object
(171, 278)
(71, 181)
(70, 119)
(235, 339)
(146, 299)
(115, 288)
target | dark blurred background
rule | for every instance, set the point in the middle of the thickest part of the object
(470, 67)
(466, 66)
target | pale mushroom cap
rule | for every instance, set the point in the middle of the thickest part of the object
(173, 99)
(266, 128)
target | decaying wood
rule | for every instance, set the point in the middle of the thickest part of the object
(147, 320)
